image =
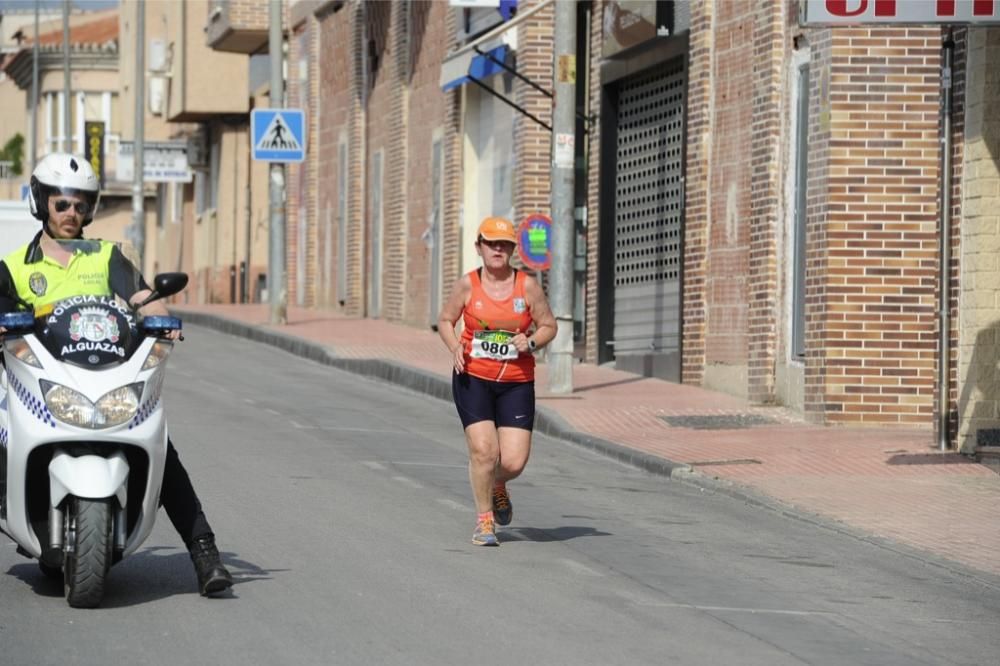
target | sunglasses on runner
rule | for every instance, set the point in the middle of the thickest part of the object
(62, 205)
(506, 246)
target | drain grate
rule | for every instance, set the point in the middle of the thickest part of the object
(718, 421)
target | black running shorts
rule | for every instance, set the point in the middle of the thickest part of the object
(507, 404)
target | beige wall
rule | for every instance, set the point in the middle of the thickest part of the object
(177, 238)
(85, 80)
(14, 112)
(161, 25)
(113, 218)
(13, 115)
(979, 307)
(204, 81)
(219, 234)
(10, 190)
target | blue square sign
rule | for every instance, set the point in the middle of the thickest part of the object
(278, 135)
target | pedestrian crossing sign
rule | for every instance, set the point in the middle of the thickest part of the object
(278, 135)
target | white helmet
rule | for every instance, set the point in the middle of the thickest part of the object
(62, 173)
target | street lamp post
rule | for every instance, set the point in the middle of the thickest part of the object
(138, 208)
(277, 289)
(563, 165)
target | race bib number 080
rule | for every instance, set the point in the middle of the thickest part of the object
(496, 345)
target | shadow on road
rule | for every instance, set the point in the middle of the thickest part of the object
(42, 585)
(146, 576)
(538, 534)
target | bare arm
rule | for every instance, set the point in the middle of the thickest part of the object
(541, 314)
(450, 314)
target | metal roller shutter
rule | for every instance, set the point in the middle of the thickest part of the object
(649, 206)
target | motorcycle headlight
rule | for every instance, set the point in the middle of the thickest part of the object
(158, 354)
(68, 405)
(118, 406)
(74, 408)
(21, 350)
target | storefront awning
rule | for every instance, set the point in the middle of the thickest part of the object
(457, 65)
(485, 56)
(470, 65)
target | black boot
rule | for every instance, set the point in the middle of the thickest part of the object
(212, 575)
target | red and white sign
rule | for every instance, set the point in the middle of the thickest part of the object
(855, 12)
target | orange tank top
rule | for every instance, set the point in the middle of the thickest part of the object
(489, 325)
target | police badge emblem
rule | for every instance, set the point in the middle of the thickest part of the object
(38, 284)
(93, 324)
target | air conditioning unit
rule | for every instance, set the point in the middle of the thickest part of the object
(158, 61)
(632, 24)
(157, 95)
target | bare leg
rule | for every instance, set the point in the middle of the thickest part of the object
(515, 447)
(484, 453)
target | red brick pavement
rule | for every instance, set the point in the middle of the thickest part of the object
(889, 482)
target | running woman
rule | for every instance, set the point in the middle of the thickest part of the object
(506, 319)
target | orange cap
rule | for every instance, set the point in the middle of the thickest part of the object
(497, 229)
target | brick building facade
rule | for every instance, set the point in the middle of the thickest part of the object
(780, 220)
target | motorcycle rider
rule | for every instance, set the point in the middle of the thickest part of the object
(64, 196)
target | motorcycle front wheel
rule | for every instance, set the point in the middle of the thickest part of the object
(88, 541)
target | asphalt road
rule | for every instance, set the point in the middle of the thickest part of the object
(342, 507)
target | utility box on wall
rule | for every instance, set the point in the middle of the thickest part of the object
(628, 24)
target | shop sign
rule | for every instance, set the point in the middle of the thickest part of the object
(93, 149)
(917, 12)
(162, 162)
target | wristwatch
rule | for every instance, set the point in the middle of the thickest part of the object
(532, 345)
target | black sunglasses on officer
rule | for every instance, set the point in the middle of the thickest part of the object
(62, 205)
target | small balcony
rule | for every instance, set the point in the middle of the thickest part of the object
(193, 93)
(237, 26)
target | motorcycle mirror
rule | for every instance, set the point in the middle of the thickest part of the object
(166, 284)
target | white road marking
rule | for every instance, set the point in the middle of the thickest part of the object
(272, 411)
(347, 429)
(371, 464)
(408, 481)
(780, 611)
(452, 504)
(217, 387)
(580, 568)
(299, 426)
(730, 609)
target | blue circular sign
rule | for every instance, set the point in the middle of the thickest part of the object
(534, 242)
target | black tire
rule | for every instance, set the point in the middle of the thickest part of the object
(89, 534)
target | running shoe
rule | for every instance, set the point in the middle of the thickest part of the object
(503, 511)
(485, 534)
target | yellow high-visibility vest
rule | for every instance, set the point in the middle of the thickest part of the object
(45, 281)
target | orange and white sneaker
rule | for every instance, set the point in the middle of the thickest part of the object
(485, 534)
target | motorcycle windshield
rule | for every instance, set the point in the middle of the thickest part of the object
(88, 331)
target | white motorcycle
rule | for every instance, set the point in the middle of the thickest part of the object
(83, 434)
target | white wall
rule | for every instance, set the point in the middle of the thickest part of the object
(17, 226)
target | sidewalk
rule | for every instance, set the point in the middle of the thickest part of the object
(889, 482)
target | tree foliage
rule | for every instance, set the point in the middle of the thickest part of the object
(13, 151)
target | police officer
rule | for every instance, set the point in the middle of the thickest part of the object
(64, 195)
